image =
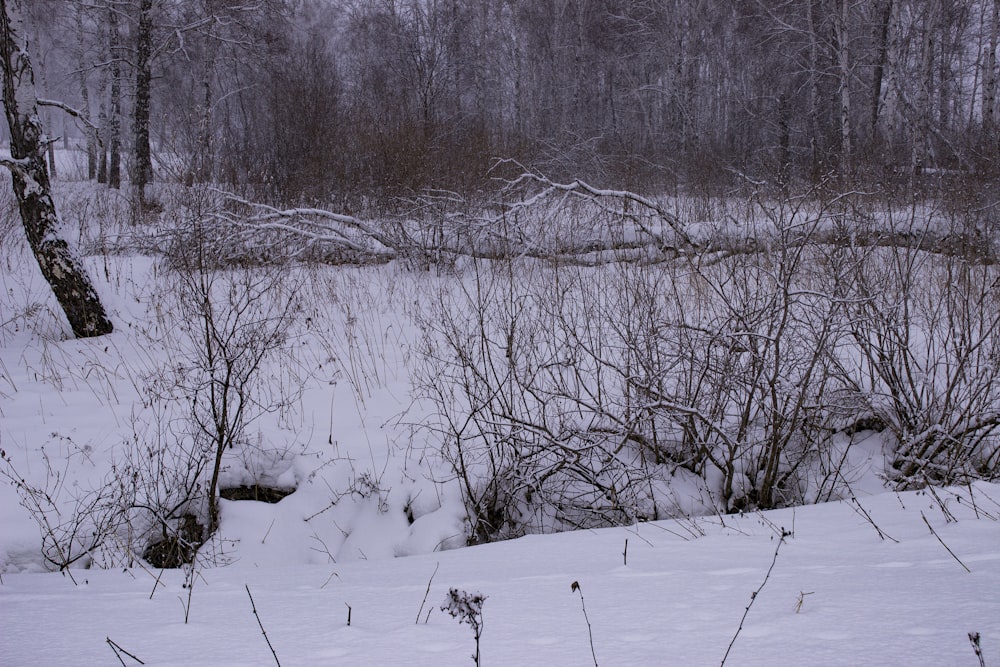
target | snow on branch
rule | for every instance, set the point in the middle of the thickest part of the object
(535, 217)
(68, 109)
(582, 189)
(314, 224)
(14, 164)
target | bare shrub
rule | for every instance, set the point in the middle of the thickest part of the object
(755, 365)
(163, 465)
(78, 525)
(569, 396)
(232, 322)
(926, 326)
(467, 608)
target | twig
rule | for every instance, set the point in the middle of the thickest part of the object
(575, 586)
(156, 583)
(753, 596)
(264, 539)
(868, 517)
(330, 578)
(974, 640)
(189, 575)
(427, 592)
(262, 630)
(801, 600)
(934, 533)
(948, 516)
(118, 650)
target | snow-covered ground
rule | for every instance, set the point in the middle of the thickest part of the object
(839, 594)
(372, 531)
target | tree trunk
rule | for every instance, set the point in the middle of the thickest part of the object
(50, 147)
(143, 167)
(922, 126)
(59, 265)
(814, 98)
(85, 98)
(990, 75)
(114, 129)
(882, 48)
(841, 23)
(104, 130)
(204, 158)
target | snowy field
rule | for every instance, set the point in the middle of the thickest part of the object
(839, 594)
(353, 567)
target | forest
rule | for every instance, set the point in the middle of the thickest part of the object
(359, 101)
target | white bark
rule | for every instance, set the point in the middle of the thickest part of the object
(59, 264)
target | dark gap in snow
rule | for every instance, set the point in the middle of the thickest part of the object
(175, 550)
(264, 494)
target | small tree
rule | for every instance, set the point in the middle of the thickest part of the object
(60, 266)
(233, 319)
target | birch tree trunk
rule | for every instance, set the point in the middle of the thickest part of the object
(104, 131)
(841, 22)
(922, 126)
(882, 49)
(59, 265)
(85, 97)
(814, 131)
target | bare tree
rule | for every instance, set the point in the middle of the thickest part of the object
(234, 320)
(83, 68)
(59, 264)
(989, 66)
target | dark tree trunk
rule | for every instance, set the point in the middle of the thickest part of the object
(143, 169)
(203, 160)
(882, 49)
(990, 75)
(102, 111)
(59, 265)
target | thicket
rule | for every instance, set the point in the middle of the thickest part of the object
(740, 363)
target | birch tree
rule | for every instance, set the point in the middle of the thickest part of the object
(59, 264)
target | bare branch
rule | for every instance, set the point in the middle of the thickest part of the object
(68, 109)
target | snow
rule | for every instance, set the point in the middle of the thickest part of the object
(375, 520)
(678, 600)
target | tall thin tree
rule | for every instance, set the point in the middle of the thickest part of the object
(143, 167)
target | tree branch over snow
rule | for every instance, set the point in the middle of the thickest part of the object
(301, 221)
(580, 188)
(531, 220)
(68, 109)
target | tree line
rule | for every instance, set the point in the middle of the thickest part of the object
(309, 99)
